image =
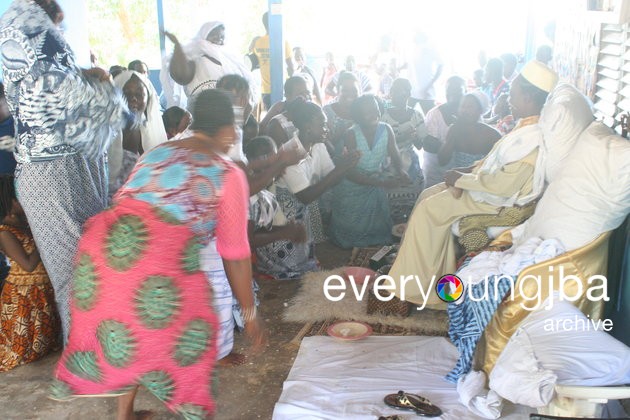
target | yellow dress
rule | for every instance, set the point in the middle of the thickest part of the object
(428, 249)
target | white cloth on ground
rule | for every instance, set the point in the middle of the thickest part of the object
(334, 380)
(479, 400)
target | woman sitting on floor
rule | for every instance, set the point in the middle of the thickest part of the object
(264, 208)
(339, 113)
(29, 324)
(300, 185)
(360, 209)
(468, 139)
(409, 129)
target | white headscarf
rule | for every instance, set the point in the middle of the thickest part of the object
(153, 131)
(230, 63)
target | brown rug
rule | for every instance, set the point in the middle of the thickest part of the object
(311, 308)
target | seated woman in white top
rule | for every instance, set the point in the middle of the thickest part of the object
(300, 185)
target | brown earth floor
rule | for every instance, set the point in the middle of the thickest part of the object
(245, 392)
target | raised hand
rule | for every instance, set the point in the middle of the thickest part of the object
(171, 37)
(348, 160)
(98, 73)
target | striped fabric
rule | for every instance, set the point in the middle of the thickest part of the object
(469, 319)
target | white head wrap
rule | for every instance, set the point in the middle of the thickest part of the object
(200, 46)
(153, 132)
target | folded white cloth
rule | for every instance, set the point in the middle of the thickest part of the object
(510, 262)
(533, 251)
(474, 395)
(519, 377)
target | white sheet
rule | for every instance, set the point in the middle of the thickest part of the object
(348, 380)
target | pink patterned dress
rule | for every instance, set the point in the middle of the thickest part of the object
(142, 310)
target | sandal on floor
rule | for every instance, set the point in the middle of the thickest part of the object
(420, 405)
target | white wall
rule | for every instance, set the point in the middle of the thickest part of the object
(75, 28)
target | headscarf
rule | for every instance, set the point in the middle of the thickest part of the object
(198, 46)
(230, 63)
(152, 130)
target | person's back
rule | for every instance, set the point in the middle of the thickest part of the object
(473, 141)
(468, 139)
(260, 47)
(437, 122)
(425, 68)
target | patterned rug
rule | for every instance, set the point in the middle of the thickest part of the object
(361, 256)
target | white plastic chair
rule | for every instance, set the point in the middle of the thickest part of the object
(583, 401)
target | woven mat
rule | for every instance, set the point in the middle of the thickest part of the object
(315, 312)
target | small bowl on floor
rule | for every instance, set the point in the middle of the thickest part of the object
(349, 330)
(359, 274)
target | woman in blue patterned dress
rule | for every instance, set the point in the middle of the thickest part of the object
(360, 209)
(65, 120)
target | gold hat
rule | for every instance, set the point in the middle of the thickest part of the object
(539, 75)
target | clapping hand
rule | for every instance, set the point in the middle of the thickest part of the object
(394, 182)
(348, 160)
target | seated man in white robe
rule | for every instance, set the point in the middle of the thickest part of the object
(511, 175)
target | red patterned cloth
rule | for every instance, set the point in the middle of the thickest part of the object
(141, 312)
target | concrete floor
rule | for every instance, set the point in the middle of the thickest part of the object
(245, 392)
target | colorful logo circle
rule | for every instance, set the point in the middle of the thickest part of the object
(449, 288)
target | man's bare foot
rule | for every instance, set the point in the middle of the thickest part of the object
(232, 359)
(144, 414)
